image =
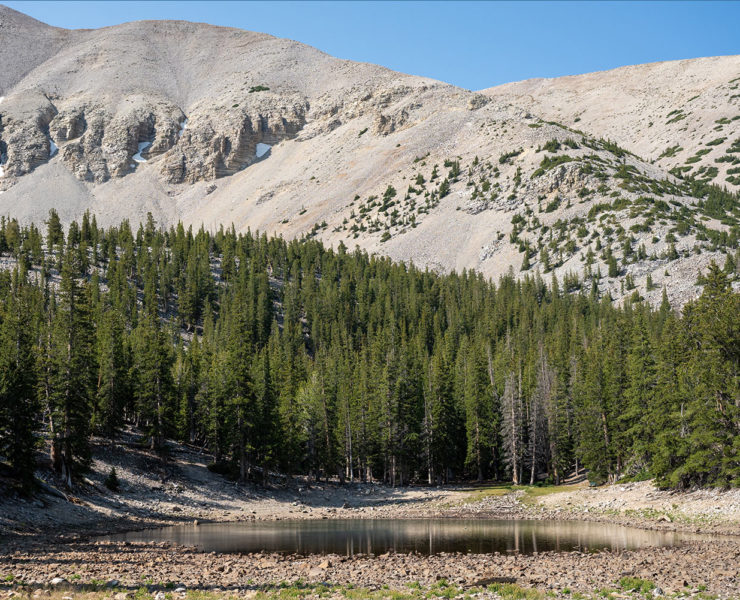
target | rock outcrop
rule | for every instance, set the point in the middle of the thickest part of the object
(221, 142)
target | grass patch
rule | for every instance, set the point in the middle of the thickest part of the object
(492, 491)
(635, 584)
(511, 591)
(530, 496)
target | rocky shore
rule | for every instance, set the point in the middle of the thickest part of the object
(710, 566)
(48, 539)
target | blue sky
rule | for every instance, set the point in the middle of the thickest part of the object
(471, 44)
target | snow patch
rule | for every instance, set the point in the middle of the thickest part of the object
(1, 99)
(138, 157)
(53, 148)
(183, 126)
(262, 149)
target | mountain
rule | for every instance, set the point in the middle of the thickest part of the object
(667, 112)
(214, 126)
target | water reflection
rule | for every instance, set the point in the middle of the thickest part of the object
(426, 536)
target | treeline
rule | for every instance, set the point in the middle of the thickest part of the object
(289, 356)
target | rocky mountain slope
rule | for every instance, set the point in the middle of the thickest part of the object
(216, 126)
(682, 115)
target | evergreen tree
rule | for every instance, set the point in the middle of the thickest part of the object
(71, 374)
(18, 405)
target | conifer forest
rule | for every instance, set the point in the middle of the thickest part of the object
(288, 357)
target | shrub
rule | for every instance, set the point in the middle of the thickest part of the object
(671, 151)
(504, 158)
(551, 146)
(552, 206)
(550, 163)
(112, 482)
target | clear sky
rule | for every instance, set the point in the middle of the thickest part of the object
(471, 44)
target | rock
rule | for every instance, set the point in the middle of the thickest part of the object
(160, 596)
(665, 519)
(657, 591)
(477, 101)
(216, 143)
(325, 564)
(123, 596)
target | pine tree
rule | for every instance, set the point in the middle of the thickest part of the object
(638, 395)
(18, 405)
(112, 377)
(71, 375)
(153, 383)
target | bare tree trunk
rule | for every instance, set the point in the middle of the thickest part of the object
(428, 439)
(478, 457)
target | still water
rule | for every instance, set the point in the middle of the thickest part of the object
(427, 536)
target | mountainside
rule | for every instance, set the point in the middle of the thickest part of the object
(682, 115)
(216, 126)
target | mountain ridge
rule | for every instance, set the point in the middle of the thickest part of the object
(214, 126)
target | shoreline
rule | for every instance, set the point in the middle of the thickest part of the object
(45, 538)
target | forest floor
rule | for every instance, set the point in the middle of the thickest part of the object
(47, 539)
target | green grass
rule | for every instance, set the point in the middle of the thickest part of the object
(511, 591)
(627, 588)
(301, 590)
(534, 492)
(478, 494)
(530, 496)
(635, 584)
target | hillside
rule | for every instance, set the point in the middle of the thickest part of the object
(682, 115)
(214, 126)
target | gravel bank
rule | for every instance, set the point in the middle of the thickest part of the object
(47, 537)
